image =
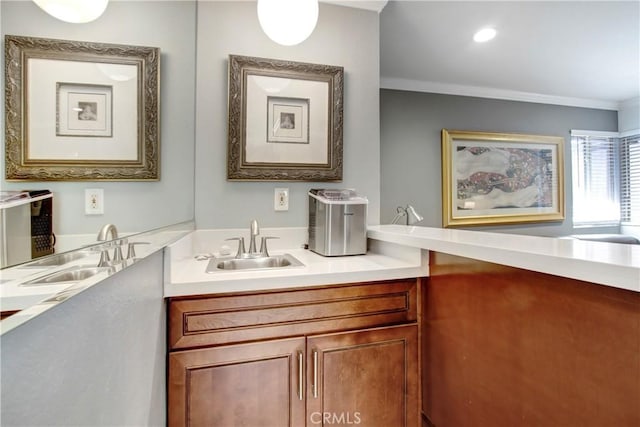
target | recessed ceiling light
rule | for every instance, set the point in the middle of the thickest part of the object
(484, 35)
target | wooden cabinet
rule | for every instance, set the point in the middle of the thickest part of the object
(338, 355)
(504, 346)
(367, 377)
(253, 384)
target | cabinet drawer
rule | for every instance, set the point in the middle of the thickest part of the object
(205, 321)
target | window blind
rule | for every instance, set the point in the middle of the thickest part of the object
(595, 180)
(630, 179)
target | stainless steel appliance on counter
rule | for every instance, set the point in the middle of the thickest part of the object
(26, 229)
(337, 222)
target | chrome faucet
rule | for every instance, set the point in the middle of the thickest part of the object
(106, 229)
(253, 233)
(253, 251)
(105, 260)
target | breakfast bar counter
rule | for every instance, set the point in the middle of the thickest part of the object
(611, 264)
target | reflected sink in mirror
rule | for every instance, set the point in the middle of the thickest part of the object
(270, 262)
(57, 260)
(73, 274)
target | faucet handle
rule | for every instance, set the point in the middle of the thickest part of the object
(117, 254)
(241, 250)
(131, 251)
(105, 260)
(263, 245)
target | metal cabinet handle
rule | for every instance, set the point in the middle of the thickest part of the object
(300, 375)
(315, 374)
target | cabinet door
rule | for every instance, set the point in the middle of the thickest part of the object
(256, 384)
(368, 377)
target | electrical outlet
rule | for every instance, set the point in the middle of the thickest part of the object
(93, 201)
(281, 199)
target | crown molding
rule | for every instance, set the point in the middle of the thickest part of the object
(493, 93)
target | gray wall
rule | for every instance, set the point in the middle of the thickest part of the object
(410, 126)
(132, 206)
(629, 115)
(343, 36)
(97, 359)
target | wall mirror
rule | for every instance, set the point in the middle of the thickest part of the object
(133, 206)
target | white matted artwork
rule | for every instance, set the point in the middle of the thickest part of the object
(287, 120)
(51, 103)
(84, 110)
(277, 98)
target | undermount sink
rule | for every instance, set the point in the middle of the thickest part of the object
(56, 260)
(270, 262)
(74, 274)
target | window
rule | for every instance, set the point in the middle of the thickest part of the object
(596, 172)
(630, 179)
(606, 178)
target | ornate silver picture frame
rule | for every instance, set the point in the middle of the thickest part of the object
(285, 120)
(81, 110)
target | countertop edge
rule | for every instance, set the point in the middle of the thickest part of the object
(189, 289)
(522, 252)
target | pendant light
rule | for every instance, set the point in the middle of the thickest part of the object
(484, 35)
(73, 11)
(288, 22)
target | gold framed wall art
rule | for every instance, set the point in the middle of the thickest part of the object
(501, 178)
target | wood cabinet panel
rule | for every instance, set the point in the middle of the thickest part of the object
(246, 384)
(510, 347)
(365, 377)
(198, 322)
(257, 368)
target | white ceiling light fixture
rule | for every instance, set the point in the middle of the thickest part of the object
(288, 22)
(73, 11)
(484, 35)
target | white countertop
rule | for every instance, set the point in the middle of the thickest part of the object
(611, 264)
(397, 251)
(186, 275)
(14, 295)
(32, 300)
